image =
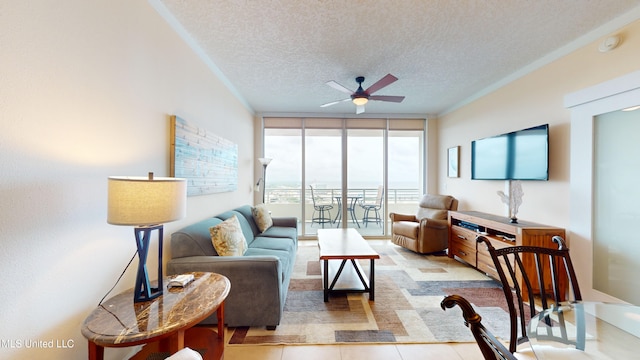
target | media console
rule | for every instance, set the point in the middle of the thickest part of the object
(466, 226)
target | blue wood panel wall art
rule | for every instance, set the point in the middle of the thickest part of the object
(207, 161)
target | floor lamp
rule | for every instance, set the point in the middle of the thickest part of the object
(265, 162)
(146, 203)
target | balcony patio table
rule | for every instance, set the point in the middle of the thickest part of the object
(351, 208)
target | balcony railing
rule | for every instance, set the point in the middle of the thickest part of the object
(292, 201)
(292, 196)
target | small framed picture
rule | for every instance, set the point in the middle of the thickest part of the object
(452, 162)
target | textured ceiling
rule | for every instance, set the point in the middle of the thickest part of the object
(278, 55)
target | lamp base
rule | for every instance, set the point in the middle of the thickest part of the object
(143, 290)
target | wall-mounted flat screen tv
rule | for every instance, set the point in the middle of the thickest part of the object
(518, 155)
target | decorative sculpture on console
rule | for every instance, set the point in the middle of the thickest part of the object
(514, 200)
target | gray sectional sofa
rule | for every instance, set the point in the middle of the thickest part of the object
(259, 279)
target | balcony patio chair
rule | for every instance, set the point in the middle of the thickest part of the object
(321, 212)
(525, 267)
(376, 206)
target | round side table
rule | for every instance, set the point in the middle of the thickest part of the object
(120, 322)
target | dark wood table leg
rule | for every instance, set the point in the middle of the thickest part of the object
(326, 280)
(175, 342)
(96, 352)
(220, 315)
(371, 281)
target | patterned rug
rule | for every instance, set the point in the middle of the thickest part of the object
(408, 290)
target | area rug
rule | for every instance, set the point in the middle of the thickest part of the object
(408, 290)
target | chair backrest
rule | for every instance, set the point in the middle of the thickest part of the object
(491, 348)
(380, 195)
(313, 197)
(317, 201)
(436, 206)
(521, 270)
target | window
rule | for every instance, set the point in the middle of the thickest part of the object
(359, 155)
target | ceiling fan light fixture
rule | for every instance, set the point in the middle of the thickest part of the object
(360, 97)
(360, 100)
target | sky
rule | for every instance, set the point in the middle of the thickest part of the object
(324, 160)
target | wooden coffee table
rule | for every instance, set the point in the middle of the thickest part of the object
(339, 250)
(165, 322)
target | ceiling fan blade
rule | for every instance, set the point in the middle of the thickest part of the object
(387, 80)
(335, 102)
(359, 109)
(339, 87)
(395, 99)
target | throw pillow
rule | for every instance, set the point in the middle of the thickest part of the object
(262, 217)
(228, 239)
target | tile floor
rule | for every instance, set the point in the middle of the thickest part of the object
(449, 351)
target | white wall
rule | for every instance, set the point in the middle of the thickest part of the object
(86, 91)
(534, 99)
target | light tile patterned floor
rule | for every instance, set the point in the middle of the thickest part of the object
(458, 351)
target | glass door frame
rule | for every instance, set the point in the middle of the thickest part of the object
(344, 124)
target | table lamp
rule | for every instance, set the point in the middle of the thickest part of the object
(146, 203)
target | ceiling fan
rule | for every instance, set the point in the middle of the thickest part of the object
(361, 96)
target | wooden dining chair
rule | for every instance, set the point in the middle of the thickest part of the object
(491, 348)
(521, 269)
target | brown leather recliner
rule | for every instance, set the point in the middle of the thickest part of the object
(428, 230)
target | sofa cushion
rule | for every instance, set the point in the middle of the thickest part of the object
(273, 243)
(194, 240)
(281, 232)
(228, 239)
(262, 217)
(245, 211)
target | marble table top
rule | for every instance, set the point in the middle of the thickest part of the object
(120, 321)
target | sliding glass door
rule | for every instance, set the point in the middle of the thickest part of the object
(378, 162)
(365, 181)
(323, 178)
(406, 169)
(283, 182)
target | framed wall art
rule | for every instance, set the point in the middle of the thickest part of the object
(453, 170)
(207, 161)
